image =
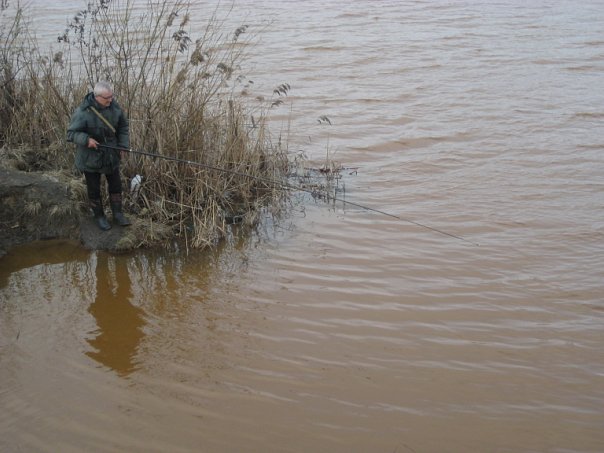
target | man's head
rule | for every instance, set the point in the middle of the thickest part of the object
(103, 93)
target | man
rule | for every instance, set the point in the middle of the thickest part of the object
(98, 121)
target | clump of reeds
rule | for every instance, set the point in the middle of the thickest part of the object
(321, 179)
(13, 54)
(178, 91)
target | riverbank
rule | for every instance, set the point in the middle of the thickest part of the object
(44, 205)
(197, 105)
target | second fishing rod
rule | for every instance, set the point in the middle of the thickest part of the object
(280, 185)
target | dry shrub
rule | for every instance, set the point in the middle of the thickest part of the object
(179, 92)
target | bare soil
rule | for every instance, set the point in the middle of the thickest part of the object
(38, 206)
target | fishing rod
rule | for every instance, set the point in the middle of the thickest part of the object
(284, 185)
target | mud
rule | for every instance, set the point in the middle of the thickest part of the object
(39, 205)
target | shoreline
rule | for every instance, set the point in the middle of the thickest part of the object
(38, 206)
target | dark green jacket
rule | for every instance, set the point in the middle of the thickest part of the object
(85, 123)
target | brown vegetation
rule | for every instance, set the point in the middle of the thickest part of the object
(179, 92)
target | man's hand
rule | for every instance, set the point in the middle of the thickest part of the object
(92, 143)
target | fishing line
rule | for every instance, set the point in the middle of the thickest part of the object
(286, 186)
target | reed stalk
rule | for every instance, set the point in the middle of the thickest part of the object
(178, 89)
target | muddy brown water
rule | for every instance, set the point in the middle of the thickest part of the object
(338, 329)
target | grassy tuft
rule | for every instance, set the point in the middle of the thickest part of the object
(32, 208)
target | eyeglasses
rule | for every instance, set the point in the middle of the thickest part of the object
(106, 97)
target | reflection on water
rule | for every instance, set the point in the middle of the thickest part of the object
(145, 317)
(119, 323)
(68, 254)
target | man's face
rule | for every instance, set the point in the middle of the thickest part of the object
(104, 98)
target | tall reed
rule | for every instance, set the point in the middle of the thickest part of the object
(179, 92)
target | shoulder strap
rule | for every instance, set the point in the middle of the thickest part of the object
(103, 119)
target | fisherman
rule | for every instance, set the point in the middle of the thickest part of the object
(99, 121)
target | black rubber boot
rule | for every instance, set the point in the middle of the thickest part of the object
(99, 215)
(116, 208)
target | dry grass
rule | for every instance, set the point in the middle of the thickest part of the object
(178, 90)
(32, 208)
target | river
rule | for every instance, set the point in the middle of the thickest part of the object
(474, 323)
